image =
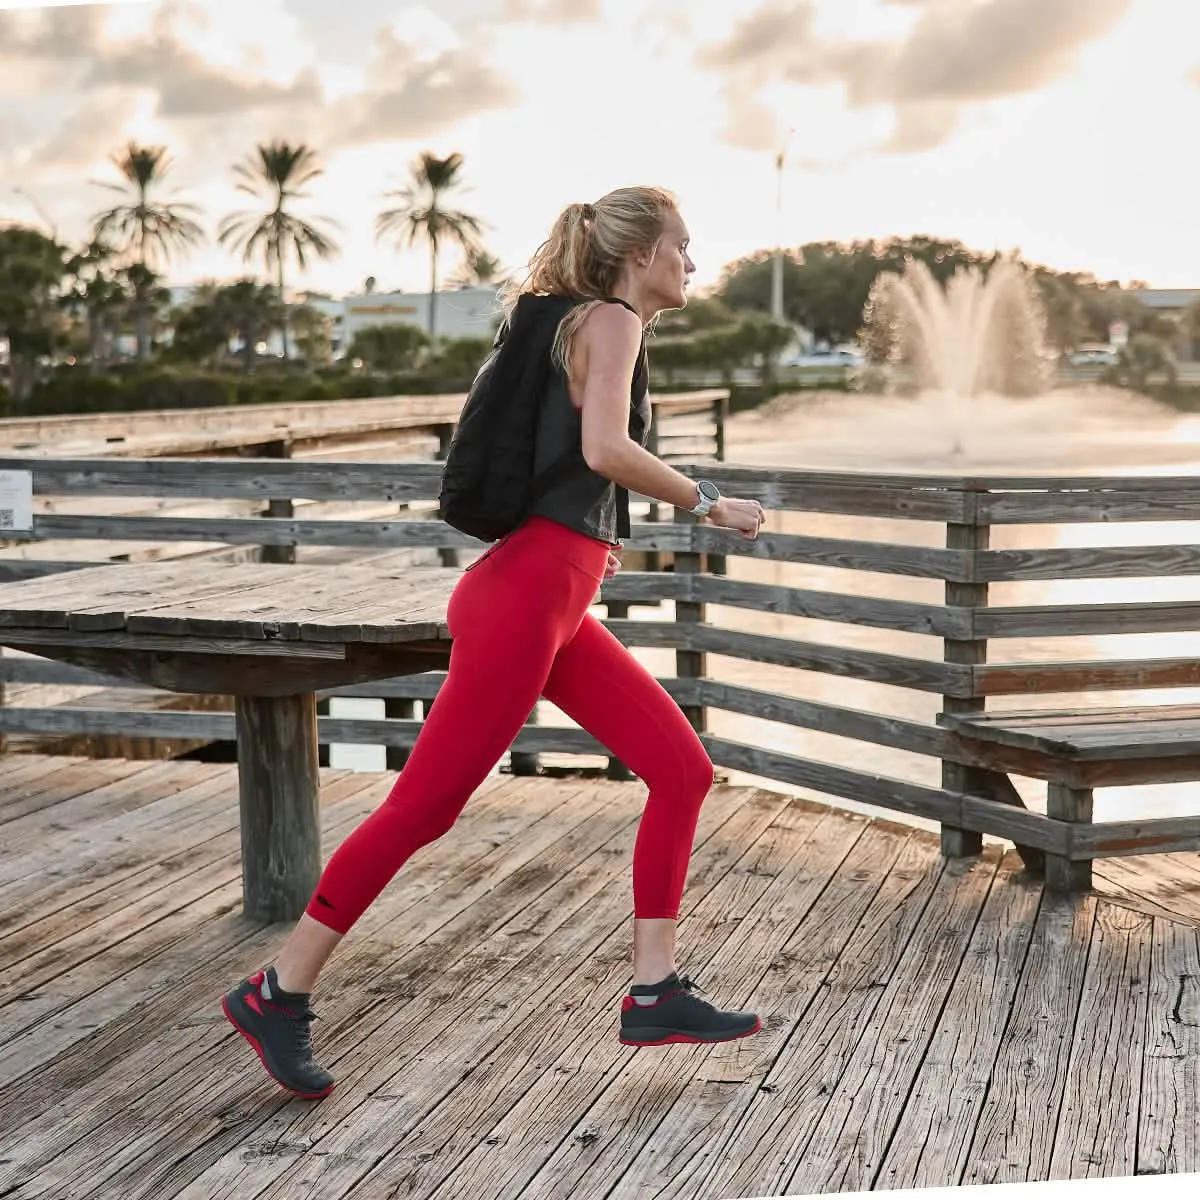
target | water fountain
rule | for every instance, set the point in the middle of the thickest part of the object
(983, 333)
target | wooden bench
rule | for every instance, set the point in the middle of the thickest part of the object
(1077, 751)
(271, 636)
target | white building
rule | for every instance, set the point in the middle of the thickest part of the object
(461, 312)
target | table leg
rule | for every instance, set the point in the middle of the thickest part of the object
(278, 787)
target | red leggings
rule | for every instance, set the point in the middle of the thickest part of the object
(521, 627)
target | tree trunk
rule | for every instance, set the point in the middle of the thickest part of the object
(433, 287)
(282, 305)
(142, 328)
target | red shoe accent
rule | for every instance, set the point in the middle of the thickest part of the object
(257, 1048)
(628, 1003)
(252, 1002)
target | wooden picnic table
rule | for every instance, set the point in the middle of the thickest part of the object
(271, 636)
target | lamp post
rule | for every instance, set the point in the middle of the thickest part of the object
(777, 264)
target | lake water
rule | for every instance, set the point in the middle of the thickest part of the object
(1090, 431)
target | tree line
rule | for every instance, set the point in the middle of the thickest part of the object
(60, 303)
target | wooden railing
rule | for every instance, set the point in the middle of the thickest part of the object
(950, 545)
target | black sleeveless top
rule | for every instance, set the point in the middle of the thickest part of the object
(583, 500)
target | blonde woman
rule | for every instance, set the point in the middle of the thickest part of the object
(521, 628)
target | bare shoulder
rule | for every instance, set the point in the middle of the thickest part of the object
(612, 331)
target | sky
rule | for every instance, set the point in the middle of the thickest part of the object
(1059, 128)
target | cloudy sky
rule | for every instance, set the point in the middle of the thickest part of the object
(1062, 127)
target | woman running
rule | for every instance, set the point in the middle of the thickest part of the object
(521, 629)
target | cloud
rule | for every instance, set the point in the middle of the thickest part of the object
(413, 92)
(51, 33)
(551, 12)
(953, 56)
(87, 136)
(187, 86)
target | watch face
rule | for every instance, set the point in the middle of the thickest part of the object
(708, 491)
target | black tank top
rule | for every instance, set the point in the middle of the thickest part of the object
(583, 500)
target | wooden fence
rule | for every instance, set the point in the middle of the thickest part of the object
(941, 533)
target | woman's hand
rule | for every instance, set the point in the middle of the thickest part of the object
(746, 516)
(614, 564)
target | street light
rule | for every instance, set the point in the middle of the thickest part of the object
(777, 265)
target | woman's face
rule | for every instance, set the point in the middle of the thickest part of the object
(668, 273)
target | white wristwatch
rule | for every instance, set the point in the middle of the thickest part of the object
(709, 495)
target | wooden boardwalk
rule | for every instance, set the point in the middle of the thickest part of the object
(927, 1023)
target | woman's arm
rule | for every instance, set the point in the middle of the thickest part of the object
(606, 350)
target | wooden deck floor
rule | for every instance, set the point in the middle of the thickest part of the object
(926, 1023)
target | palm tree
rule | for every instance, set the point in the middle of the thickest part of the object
(479, 269)
(420, 214)
(148, 231)
(275, 172)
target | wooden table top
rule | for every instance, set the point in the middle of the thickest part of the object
(245, 601)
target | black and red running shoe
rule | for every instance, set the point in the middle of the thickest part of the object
(678, 1016)
(277, 1025)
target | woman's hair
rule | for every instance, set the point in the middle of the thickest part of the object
(587, 247)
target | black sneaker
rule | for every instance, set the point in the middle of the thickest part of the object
(678, 1016)
(278, 1029)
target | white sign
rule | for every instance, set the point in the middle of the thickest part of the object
(16, 500)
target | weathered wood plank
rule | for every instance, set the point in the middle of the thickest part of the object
(1107, 503)
(1093, 562)
(845, 553)
(1168, 1118)
(1087, 620)
(894, 669)
(1014, 1140)
(856, 724)
(929, 1144)
(1141, 731)
(1093, 1139)
(932, 619)
(1005, 679)
(896, 795)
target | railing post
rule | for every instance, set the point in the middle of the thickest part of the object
(279, 508)
(397, 709)
(972, 536)
(690, 664)
(720, 419)
(717, 564)
(651, 559)
(448, 555)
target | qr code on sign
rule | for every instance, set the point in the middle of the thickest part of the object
(6, 518)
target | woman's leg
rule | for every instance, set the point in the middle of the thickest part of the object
(599, 684)
(507, 617)
(504, 645)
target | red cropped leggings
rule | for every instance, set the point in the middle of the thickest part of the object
(521, 627)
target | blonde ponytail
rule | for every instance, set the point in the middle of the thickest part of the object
(587, 247)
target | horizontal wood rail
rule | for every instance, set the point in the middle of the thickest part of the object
(907, 610)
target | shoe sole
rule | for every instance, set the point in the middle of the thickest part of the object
(665, 1038)
(256, 1046)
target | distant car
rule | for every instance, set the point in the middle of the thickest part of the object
(839, 356)
(1095, 356)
